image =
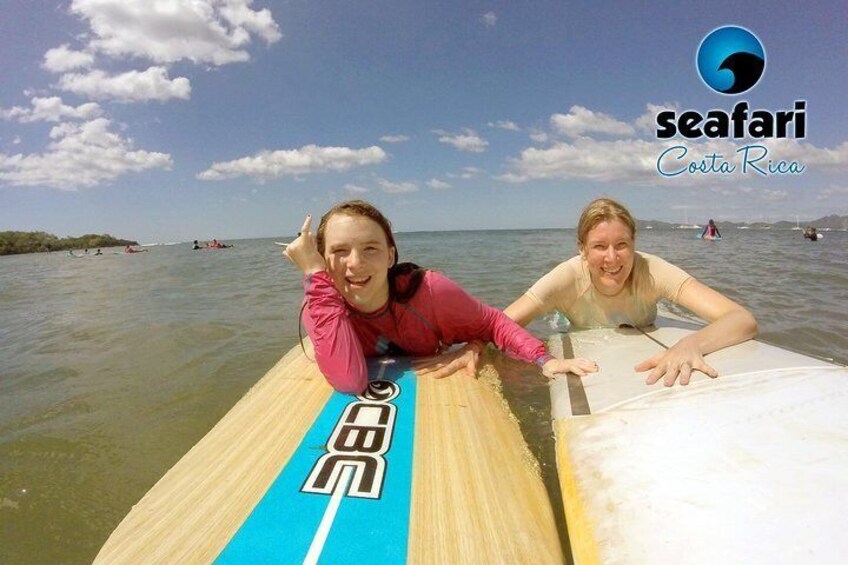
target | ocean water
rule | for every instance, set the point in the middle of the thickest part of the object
(112, 367)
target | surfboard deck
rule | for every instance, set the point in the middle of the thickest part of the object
(749, 467)
(419, 470)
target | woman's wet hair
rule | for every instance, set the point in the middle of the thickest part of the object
(398, 292)
(603, 210)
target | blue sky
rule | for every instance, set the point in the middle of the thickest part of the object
(175, 120)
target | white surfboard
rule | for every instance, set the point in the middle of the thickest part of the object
(751, 467)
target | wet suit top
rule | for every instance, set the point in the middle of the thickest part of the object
(439, 314)
(569, 289)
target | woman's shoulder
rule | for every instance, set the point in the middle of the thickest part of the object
(655, 262)
(573, 265)
(666, 277)
(562, 284)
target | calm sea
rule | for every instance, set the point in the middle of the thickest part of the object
(112, 367)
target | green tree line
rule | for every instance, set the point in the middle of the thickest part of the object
(14, 242)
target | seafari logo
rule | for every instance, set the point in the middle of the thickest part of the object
(357, 444)
(730, 60)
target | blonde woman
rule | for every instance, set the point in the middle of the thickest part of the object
(611, 284)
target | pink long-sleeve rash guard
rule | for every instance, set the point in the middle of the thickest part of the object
(440, 314)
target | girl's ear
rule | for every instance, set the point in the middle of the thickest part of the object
(582, 250)
(392, 252)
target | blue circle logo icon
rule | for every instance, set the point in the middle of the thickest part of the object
(731, 60)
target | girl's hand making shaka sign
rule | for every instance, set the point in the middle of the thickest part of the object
(303, 251)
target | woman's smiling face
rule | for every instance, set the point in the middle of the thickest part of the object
(358, 258)
(609, 252)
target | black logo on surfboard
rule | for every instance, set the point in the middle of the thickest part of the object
(357, 444)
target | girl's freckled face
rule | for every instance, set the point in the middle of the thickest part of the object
(358, 258)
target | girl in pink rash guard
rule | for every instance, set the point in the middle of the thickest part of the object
(359, 302)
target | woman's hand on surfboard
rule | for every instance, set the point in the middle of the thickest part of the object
(579, 366)
(677, 363)
(439, 366)
(303, 251)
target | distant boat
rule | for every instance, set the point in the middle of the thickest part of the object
(743, 227)
(686, 225)
(797, 224)
(649, 227)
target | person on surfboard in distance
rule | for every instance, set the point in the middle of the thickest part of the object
(360, 302)
(710, 231)
(610, 284)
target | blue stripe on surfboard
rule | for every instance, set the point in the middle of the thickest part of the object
(283, 524)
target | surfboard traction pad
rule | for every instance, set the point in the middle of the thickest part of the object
(597, 519)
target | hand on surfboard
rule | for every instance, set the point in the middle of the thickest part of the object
(303, 251)
(677, 363)
(579, 366)
(439, 366)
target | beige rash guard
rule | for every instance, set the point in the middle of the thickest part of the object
(568, 288)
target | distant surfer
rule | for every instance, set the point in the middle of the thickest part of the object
(711, 231)
(811, 234)
(610, 284)
(196, 245)
(215, 244)
(130, 249)
(360, 302)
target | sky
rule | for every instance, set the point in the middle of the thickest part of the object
(174, 120)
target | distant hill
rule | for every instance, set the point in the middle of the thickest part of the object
(833, 222)
(16, 242)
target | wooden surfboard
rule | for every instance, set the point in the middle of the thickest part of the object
(751, 467)
(415, 470)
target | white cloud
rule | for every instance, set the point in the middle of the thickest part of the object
(723, 191)
(132, 86)
(635, 160)
(62, 59)
(580, 120)
(437, 184)
(489, 19)
(355, 189)
(306, 160)
(394, 138)
(630, 160)
(647, 122)
(831, 191)
(397, 187)
(505, 124)
(539, 136)
(467, 173)
(51, 110)
(80, 155)
(773, 195)
(201, 31)
(468, 140)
